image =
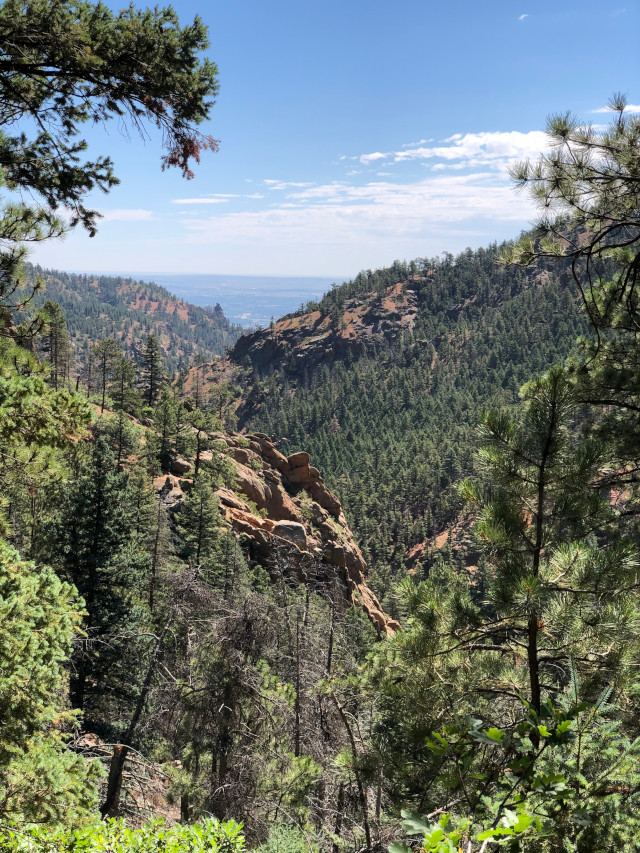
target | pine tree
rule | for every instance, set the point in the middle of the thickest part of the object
(198, 526)
(152, 370)
(106, 352)
(92, 544)
(64, 64)
(56, 344)
(40, 779)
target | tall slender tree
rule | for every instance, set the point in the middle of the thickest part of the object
(106, 352)
(152, 370)
(55, 343)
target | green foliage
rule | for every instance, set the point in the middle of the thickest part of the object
(40, 779)
(91, 541)
(574, 790)
(120, 433)
(32, 415)
(101, 306)
(287, 839)
(89, 64)
(587, 187)
(392, 423)
(113, 836)
(152, 370)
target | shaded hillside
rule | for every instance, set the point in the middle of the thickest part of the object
(384, 381)
(98, 307)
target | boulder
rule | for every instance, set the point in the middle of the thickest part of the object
(299, 460)
(299, 476)
(180, 467)
(241, 455)
(268, 452)
(170, 491)
(292, 531)
(334, 554)
(229, 498)
(279, 505)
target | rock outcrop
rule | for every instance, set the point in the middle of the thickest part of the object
(303, 341)
(287, 519)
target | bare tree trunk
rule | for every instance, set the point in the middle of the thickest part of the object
(296, 706)
(362, 795)
(114, 783)
(339, 808)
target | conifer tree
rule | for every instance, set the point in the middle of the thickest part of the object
(106, 352)
(56, 344)
(161, 444)
(152, 370)
(92, 545)
(198, 526)
(40, 779)
(63, 64)
(122, 391)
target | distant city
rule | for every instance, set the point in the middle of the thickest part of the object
(249, 300)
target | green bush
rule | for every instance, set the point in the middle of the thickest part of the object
(113, 836)
(287, 839)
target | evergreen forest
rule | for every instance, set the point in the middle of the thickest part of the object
(100, 307)
(367, 580)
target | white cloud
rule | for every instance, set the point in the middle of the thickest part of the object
(462, 198)
(494, 149)
(398, 218)
(215, 198)
(285, 185)
(126, 215)
(419, 142)
(205, 200)
(522, 17)
(630, 108)
(365, 159)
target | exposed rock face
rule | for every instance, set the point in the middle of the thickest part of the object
(290, 521)
(315, 339)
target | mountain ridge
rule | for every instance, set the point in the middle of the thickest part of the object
(98, 307)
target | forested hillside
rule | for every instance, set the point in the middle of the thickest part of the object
(191, 657)
(384, 383)
(105, 306)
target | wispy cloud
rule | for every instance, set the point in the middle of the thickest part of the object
(494, 149)
(419, 142)
(126, 215)
(365, 159)
(522, 17)
(379, 213)
(630, 108)
(284, 185)
(204, 200)
(215, 198)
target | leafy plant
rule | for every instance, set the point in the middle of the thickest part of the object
(113, 836)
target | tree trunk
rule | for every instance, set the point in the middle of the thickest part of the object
(114, 783)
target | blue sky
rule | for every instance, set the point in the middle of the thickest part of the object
(353, 133)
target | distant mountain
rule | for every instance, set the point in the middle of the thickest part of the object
(385, 379)
(103, 306)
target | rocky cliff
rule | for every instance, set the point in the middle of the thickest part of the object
(303, 341)
(285, 517)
